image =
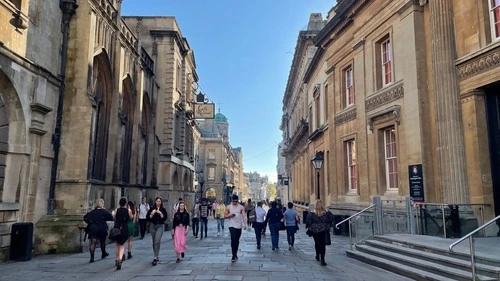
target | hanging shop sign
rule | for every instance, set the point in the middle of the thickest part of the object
(204, 110)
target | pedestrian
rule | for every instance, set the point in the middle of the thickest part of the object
(291, 219)
(131, 229)
(157, 216)
(204, 212)
(236, 215)
(214, 207)
(97, 228)
(219, 216)
(122, 215)
(196, 218)
(273, 218)
(143, 211)
(180, 229)
(319, 227)
(260, 218)
(265, 206)
(176, 206)
(249, 208)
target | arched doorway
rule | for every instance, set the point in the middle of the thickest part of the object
(101, 91)
(127, 118)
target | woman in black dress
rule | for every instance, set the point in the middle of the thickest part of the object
(97, 228)
(122, 216)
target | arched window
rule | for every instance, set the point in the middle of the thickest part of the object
(4, 144)
(101, 90)
(128, 125)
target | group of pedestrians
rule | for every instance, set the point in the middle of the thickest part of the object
(238, 218)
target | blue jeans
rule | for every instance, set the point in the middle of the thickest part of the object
(203, 226)
(258, 226)
(220, 223)
(275, 234)
(290, 235)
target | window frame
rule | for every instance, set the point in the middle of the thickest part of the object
(494, 26)
(386, 61)
(211, 173)
(352, 174)
(392, 159)
(349, 94)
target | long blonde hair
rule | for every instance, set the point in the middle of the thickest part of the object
(319, 208)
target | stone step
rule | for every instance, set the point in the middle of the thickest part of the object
(436, 268)
(401, 269)
(452, 261)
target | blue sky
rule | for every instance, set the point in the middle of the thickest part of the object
(243, 50)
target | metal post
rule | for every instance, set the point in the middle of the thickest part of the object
(472, 262)
(482, 219)
(444, 221)
(350, 235)
(410, 219)
(317, 175)
(378, 217)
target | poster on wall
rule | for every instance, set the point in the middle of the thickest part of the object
(416, 181)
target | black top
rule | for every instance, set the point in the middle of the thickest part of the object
(274, 215)
(96, 220)
(320, 223)
(181, 218)
(156, 219)
(204, 210)
(121, 218)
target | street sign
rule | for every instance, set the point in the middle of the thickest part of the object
(416, 181)
(204, 110)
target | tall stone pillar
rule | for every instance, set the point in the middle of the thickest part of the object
(450, 139)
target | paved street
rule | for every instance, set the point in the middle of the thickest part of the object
(207, 259)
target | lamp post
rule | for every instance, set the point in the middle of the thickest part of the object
(201, 181)
(317, 162)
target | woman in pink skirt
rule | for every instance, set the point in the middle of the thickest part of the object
(180, 229)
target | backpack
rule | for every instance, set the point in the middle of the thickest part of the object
(251, 216)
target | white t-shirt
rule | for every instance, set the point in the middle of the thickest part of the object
(237, 220)
(143, 210)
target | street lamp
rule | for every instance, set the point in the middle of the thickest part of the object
(201, 181)
(317, 162)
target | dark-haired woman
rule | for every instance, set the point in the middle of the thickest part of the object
(156, 216)
(180, 229)
(131, 228)
(122, 216)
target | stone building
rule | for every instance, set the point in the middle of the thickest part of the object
(29, 94)
(408, 83)
(176, 76)
(222, 165)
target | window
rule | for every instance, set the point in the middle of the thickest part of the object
(211, 173)
(310, 119)
(351, 165)
(178, 82)
(349, 89)
(177, 133)
(211, 154)
(326, 102)
(317, 108)
(391, 158)
(495, 17)
(386, 59)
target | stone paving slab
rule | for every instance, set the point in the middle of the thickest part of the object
(207, 259)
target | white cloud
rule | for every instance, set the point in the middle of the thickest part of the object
(272, 176)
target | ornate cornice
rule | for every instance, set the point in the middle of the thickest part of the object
(480, 64)
(345, 116)
(389, 95)
(394, 110)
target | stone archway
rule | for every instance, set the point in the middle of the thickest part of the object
(127, 120)
(101, 93)
(145, 128)
(175, 181)
(185, 182)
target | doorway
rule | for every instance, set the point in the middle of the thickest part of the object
(493, 119)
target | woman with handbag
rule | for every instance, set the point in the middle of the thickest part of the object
(157, 216)
(290, 218)
(319, 227)
(122, 215)
(180, 230)
(97, 228)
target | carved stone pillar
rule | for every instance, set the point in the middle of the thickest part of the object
(450, 135)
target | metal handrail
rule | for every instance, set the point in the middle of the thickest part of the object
(471, 244)
(349, 220)
(447, 204)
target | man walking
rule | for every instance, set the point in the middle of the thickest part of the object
(204, 211)
(143, 210)
(236, 215)
(176, 206)
(196, 218)
(259, 225)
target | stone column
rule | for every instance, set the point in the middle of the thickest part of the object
(450, 135)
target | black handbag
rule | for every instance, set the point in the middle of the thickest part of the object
(328, 240)
(282, 226)
(115, 232)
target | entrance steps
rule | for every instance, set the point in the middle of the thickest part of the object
(427, 258)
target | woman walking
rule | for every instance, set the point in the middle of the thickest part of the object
(274, 217)
(122, 216)
(219, 216)
(290, 218)
(319, 225)
(131, 228)
(180, 230)
(97, 228)
(157, 216)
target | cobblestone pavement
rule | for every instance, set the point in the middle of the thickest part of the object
(207, 259)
